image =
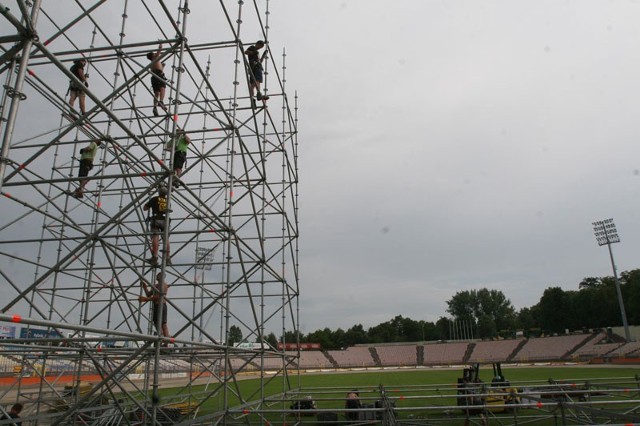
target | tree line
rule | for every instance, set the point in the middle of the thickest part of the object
(488, 314)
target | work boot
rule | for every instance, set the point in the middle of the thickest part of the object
(78, 194)
(169, 261)
(155, 112)
(153, 261)
(259, 96)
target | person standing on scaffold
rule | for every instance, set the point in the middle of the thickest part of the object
(158, 81)
(255, 70)
(77, 91)
(87, 155)
(158, 295)
(158, 222)
(180, 146)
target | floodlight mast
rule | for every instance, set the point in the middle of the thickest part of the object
(606, 234)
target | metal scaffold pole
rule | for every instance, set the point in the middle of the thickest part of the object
(126, 266)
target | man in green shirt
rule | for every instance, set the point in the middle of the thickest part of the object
(87, 154)
(181, 146)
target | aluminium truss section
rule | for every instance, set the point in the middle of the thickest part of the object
(71, 269)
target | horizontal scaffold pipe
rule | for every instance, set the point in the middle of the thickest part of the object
(96, 177)
(94, 50)
(18, 319)
(120, 235)
(118, 49)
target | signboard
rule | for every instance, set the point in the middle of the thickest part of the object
(7, 331)
(204, 258)
(301, 346)
(37, 333)
(252, 346)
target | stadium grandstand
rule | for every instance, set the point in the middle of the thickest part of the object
(356, 356)
(445, 353)
(584, 347)
(597, 346)
(397, 355)
(494, 351)
(550, 348)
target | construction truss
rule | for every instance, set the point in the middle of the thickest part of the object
(80, 346)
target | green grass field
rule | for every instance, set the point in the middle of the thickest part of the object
(411, 388)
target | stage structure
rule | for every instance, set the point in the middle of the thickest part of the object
(80, 343)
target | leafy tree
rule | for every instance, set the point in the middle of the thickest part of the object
(272, 340)
(339, 338)
(554, 310)
(487, 326)
(382, 333)
(355, 335)
(489, 310)
(293, 337)
(462, 305)
(324, 337)
(525, 319)
(235, 335)
(631, 294)
(428, 331)
(412, 330)
(590, 282)
(605, 301)
(494, 305)
(442, 327)
(593, 305)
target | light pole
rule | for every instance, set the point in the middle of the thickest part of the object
(606, 233)
(204, 260)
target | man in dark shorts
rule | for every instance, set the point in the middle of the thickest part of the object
(87, 154)
(158, 221)
(76, 90)
(158, 80)
(180, 146)
(255, 70)
(158, 295)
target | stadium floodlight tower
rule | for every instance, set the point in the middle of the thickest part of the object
(606, 234)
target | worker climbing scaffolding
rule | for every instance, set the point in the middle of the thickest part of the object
(158, 207)
(77, 90)
(158, 81)
(256, 70)
(87, 155)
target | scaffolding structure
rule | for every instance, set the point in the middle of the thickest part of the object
(594, 401)
(80, 339)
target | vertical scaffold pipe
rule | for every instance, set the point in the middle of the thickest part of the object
(17, 91)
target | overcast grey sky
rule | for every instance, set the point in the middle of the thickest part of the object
(445, 145)
(454, 145)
